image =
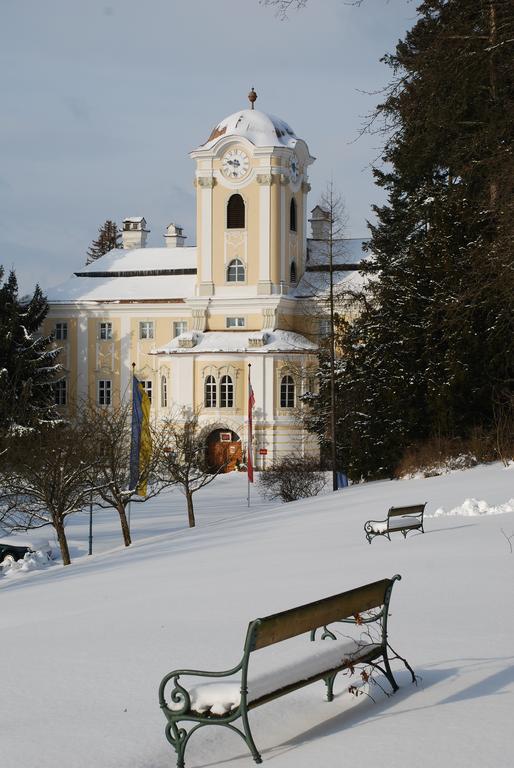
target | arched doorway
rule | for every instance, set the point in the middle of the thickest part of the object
(224, 450)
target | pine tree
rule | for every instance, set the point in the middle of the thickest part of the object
(432, 347)
(109, 237)
(27, 359)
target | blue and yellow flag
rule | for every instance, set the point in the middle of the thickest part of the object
(141, 440)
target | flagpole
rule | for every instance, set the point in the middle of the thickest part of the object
(249, 437)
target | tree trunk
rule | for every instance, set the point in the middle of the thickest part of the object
(124, 524)
(58, 524)
(190, 511)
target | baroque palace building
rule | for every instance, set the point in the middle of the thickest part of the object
(193, 318)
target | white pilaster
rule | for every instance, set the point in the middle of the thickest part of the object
(264, 232)
(206, 229)
(283, 229)
(125, 361)
(82, 359)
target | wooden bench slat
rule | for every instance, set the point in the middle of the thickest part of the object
(296, 621)
(398, 511)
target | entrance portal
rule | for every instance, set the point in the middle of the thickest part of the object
(224, 450)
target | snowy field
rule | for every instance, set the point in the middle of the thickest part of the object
(85, 647)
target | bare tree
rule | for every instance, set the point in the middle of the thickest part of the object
(332, 204)
(292, 477)
(184, 463)
(111, 430)
(45, 477)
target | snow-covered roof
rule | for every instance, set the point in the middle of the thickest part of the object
(136, 288)
(147, 259)
(345, 251)
(237, 341)
(261, 129)
(318, 283)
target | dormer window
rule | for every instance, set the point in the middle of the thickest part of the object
(236, 212)
(236, 271)
(292, 215)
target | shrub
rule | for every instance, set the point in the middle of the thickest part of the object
(291, 478)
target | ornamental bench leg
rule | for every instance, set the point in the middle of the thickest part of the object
(249, 738)
(178, 738)
(329, 682)
(389, 674)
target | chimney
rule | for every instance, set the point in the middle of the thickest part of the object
(134, 232)
(174, 237)
(320, 223)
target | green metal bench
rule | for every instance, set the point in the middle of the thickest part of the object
(398, 520)
(224, 703)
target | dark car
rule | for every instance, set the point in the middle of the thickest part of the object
(16, 546)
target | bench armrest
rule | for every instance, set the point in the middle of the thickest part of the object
(179, 694)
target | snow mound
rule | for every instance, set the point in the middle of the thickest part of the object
(475, 508)
(32, 561)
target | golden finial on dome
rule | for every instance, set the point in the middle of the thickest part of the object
(252, 97)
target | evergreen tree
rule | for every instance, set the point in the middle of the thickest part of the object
(109, 238)
(27, 359)
(432, 347)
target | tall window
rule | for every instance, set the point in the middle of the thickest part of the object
(60, 393)
(236, 212)
(287, 392)
(293, 272)
(147, 386)
(105, 331)
(210, 392)
(61, 331)
(104, 392)
(226, 392)
(236, 271)
(292, 215)
(324, 327)
(164, 392)
(146, 330)
(180, 326)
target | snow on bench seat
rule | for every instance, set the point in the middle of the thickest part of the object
(222, 697)
(394, 524)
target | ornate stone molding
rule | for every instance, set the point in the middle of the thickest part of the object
(207, 182)
(268, 318)
(264, 178)
(306, 187)
(199, 319)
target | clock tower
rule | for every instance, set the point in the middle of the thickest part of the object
(251, 192)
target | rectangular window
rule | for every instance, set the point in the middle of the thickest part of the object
(147, 386)
(324, 327)
(60, 392)
(179, 327)
(61, 331)
(146, 330)
(234, 322)
(105, 331)
(104, 392)
(164, 392)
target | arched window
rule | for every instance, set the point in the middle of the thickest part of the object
(287, 392)
(236, 212)
(293, 272)
(226, 392)
(210, 392)
(236, 271)
(292, 215)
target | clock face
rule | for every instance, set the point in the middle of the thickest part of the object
(235, 164)
(294, 168)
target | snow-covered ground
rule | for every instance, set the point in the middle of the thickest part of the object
(85, 647)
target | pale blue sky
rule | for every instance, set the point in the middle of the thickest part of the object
(103, 99)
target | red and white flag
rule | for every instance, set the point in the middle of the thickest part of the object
(251, 403)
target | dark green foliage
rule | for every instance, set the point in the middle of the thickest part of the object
(432, 348)
(27, 359)
(109, 237)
